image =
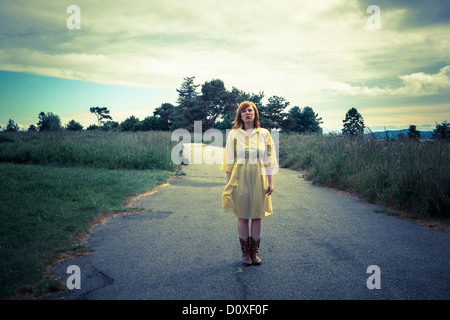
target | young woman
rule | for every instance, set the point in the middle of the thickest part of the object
(249, 160)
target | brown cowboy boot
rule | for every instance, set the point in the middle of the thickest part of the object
(245, 246)
(254, 246)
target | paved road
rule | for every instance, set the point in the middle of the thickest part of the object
(317, 245)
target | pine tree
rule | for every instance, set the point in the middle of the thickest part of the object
(187, 110)
(303, 121)
(353, 123)
(272, 115)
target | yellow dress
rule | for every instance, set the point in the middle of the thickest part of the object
(249, 158)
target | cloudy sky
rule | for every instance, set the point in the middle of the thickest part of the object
(131, 56)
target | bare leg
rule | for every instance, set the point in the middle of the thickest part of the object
(256, 229)
(242, 227)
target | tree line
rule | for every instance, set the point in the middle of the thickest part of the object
(215, 107)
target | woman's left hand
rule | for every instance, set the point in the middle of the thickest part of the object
(270, 189)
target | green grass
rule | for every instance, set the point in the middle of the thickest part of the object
(59, 184)
(406, 174)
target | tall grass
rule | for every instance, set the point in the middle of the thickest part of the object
(96, 149)
(406, 173)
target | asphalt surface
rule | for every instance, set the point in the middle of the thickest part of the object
(317, 245)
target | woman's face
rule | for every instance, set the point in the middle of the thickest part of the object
(248, 114)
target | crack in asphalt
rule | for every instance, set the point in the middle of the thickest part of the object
(107, 281)
(240, 270)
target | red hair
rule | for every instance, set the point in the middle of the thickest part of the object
(238, 123)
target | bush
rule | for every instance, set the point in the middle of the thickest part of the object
(130, 124)
(12, 126)
(73, 125)
(49, 122)
(441, 131)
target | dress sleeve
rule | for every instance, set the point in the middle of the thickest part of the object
(228, 154)
(270, 161)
